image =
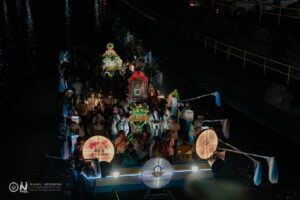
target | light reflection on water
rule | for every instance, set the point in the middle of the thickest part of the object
(20, 23)
(5, 14)
(29, 20)
(31, 41)
(18, 7)
(6, 36)
(103, 6)
(67, 13)
(97, 15)
(2, 69)
(67, 22)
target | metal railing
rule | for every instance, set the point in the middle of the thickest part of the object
(246, 56)
(277, 11)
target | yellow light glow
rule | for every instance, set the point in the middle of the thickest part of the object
(194, 168)
(115, 174)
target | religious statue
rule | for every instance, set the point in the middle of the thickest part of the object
(111, 62)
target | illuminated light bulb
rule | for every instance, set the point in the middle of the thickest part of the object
(195, 168)
(116, 174)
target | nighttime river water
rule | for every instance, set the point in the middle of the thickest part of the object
(33, 32)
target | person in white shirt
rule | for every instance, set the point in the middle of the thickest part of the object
(174, 106)
(155, 124)
(166, 120)
(123, 125)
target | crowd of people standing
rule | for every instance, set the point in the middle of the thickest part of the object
(93, 104)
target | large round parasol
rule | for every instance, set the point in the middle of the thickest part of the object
(98, 147)
(206, 144)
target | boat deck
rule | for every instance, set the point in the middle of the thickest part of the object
(130, 178)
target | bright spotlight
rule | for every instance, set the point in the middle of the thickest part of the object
(195, 168)
(116, 174)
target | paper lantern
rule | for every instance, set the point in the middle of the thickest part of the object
(98, 147)
(206, 144)
(137, 86)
